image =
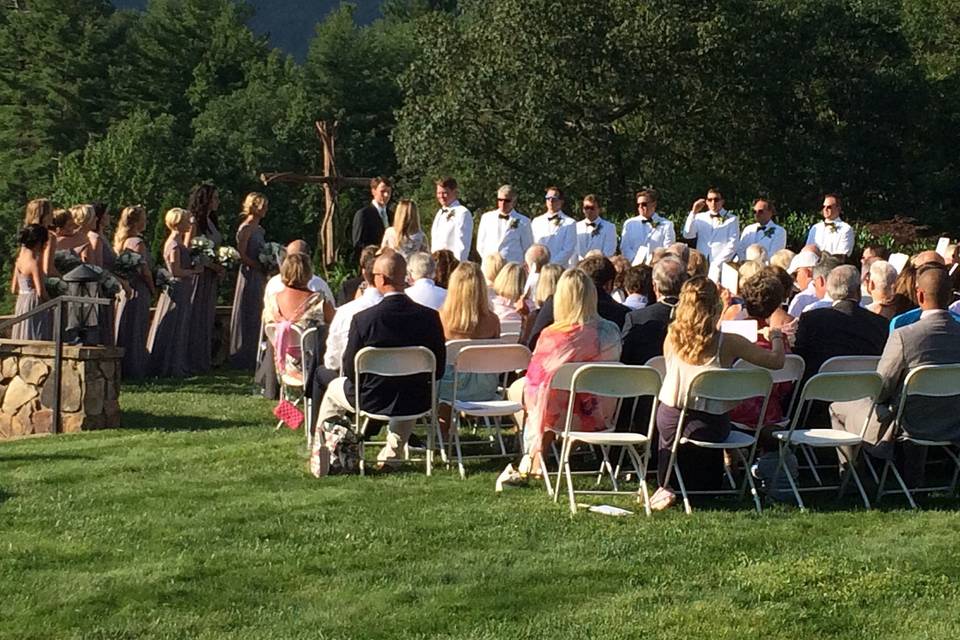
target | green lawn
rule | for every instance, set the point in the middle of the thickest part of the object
(198, 521)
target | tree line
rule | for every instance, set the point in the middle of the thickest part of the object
(785, 98)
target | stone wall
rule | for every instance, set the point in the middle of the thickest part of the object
(90, 388)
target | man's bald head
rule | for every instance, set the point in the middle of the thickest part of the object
(298, 246)
(927, 257)
(934, 289)
(393, 269)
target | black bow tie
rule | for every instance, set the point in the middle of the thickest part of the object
(504, 216)
(646, 220)
(591, 224)
(830, 225)
(716, 215)
(762, 228)
(553, 218)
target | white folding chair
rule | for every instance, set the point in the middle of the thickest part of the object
(838, 364)
(724, 385)
(659, 364)
(612, 381)
(830, 387)
(498, 359)
(292, 378)
(395, 362)
(509, 338)
(511, 326)
(934, 380)
(791, 371)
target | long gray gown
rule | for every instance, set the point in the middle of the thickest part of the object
(204, 311)
(36, 327)
(133, 322)
(247, 305)
(167, 341)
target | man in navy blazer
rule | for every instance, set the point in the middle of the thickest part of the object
(397, 321)
(371, 221)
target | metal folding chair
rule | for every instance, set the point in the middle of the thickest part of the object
(613, 381)
(829, 387)
(839, 364)
(935, 380)
(293, 380)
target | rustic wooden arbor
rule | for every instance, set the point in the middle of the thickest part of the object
(332, 182)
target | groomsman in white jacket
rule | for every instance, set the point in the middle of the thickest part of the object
(556, 230)
(764, 232)
(593, 232)
(716, 230)
(647, 231)
(832, 235)
(453, 224)
(503, 230)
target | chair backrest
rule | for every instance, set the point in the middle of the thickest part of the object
(303, 336)
(842, 386)
(792, 370)
(493, 358)
(729, 385)
(394, 361)
(562, 379)
(509, 338)
(850, 363)
(936, 380)
(659, 363)
(454, 346)
(616, 380)
(510, 326)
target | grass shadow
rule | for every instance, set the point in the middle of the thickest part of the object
(140, 421)
(44, 457)
(5, 495)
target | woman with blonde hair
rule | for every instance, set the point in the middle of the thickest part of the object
(28, 278)
(251, 280)
(405, 236)
(491, 265)
(168, 340)
(133, 308)
(466, 315)
(40, 211)
(509, 301)
(578, 334)
(74, 234)
(694, 344)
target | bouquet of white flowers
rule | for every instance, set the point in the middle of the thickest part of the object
(66, 261)
(55, 287)
(202, 252)
(109, 285)
(271, 255)
(228, 257)
(162, 278)
(128, 264)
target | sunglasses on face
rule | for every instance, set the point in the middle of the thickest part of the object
(756, 211)
(643, 203)
(504, 199)
(588, 207)
(552, 198)
(712, 199)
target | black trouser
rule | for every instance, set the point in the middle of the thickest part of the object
(702, 468)
(320, 380)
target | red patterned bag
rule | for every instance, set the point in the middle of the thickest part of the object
(288, 413)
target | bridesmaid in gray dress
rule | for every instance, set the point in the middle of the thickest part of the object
(28, 272)
(167, 341)
(204, 202)
(106, 316)
(133, 309)
(248, 297)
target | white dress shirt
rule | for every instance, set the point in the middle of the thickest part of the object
(317, 285)
(558, 233)
(510, 236)
(823, 303)
(837, 238)
(599, 234)
(770, 236)
(641, 237)
(716, 235)
(452, 230)
(425, 291)
(802, 299)
(340, 327)
(635, 301)
(382, 210)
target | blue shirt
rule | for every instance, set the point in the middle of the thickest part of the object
(909, 317)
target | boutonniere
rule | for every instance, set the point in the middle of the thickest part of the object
(768, 233)
(514, 223)
(596, 229)
(831, 226)
(556, 221)
(449, 213)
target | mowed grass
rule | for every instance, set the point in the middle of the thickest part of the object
(199, 521)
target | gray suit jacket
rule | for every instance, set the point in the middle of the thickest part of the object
(934, 339)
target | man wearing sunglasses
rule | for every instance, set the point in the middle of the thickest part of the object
(503, 230)
(716, 230)
(593, 232)
(764, 232)
(555, 230)
(832, 234)
(646, 231)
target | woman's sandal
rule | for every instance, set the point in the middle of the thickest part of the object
(663, 499)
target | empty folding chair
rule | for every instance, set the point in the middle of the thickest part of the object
(729, 386)
(938, 381)
(498, 359)
(613, 381)
(829, 387)
(395, 362)
(839, 364)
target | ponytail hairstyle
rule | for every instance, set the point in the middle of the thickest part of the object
(33, 236)
(130, 217)
(38, 211)
(254, 202)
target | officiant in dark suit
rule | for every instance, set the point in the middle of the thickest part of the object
(371, 221)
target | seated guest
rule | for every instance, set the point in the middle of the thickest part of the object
(446, 262)
(340, 325)
(546, 285)
(780, 319)
(697, 264)
(620, 265)
(508, 302)
(871, 253)
(681, 250)
(421, 269)
(601, 271)
(491, 265)
(952, 262)
(638, 283)
(734, 309)
(933, 339)
(842, 329)
(578, 334)
(821, 271)
(466, 315)
(801, 268)
(694, 344)
(396, 322)
(756, 252)
(881, 277)
(762, 296)
(350, 286)
(921, 259)
(536, 258)
(644, 330)
(316, 284)
(782, 259)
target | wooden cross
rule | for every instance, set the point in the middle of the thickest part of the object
(332, 182)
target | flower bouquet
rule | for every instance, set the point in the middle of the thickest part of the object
(109, 285)
(271, 255)
(66, 261)
(228, 257)
(128, 264)
(55, 287)
(162, 278)
(202, 252)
